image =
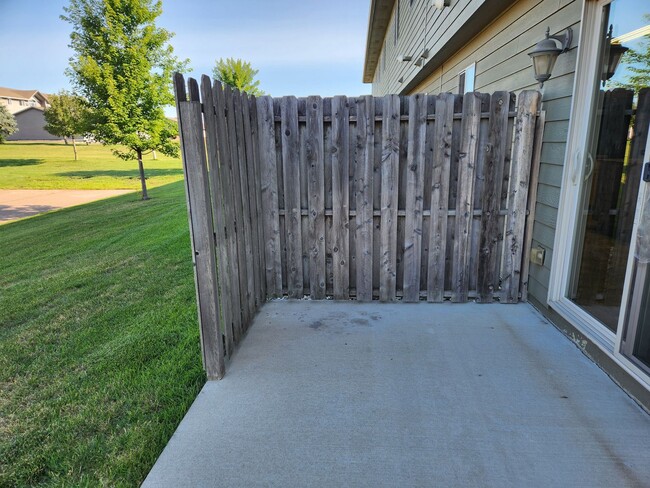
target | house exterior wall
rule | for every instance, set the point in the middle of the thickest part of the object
(16, 105)
(421, 27)
(31, 124)
(502, 63)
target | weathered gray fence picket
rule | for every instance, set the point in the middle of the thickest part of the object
(414, 198)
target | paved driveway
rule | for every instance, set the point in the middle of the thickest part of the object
(17, 204)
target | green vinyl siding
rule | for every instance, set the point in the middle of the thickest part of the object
(500, 51)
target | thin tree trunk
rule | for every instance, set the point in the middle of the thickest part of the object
(154, 155)
(74, 146)
(142, 179)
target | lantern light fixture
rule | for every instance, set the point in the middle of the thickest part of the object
(614, 55)
(546, 51)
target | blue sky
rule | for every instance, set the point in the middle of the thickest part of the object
(300, 47)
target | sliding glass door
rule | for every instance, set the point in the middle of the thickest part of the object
(635, 337)
(600, 274)
(611, 160)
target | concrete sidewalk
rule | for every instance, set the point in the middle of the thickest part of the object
(18, 204)
(347, 394)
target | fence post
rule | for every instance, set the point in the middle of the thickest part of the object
(527, 107)
(215, 155)
(532, 203)
(202, 236)
(498, 144)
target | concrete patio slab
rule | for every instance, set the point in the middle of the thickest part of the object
(349, 394)
(18, 204)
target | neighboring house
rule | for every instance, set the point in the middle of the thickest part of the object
(27, 106)
(592, 155)
(31, 126)
(17, 100)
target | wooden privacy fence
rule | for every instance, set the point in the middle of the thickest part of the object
(418, 197)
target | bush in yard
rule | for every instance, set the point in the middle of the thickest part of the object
(123, 66)
(7, 124)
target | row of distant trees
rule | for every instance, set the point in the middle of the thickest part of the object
(70, 115)
(121, 72)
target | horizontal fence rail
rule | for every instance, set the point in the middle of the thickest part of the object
(407, 198)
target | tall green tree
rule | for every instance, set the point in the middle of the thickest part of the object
(638, 65)
(67, 116)
(7, 124)
(123, 66)
(238, 74)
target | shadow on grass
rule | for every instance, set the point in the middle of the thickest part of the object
(10, 212)
(5, 163)
(130, 174)
(56, 142)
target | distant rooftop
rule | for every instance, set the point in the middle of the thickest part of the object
(19, 94)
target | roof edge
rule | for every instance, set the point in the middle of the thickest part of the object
(378, 19)
(26, 109)
(17, 94)
(483, 16)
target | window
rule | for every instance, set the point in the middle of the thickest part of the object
(466, 79)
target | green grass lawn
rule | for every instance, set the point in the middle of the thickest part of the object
(46, 166)
(99, 343)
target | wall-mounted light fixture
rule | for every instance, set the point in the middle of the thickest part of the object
(404, 57)
(440, 4)
(546, 52)
(614, 55)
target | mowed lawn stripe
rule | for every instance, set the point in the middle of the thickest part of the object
(99, 344)
(46, 166)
